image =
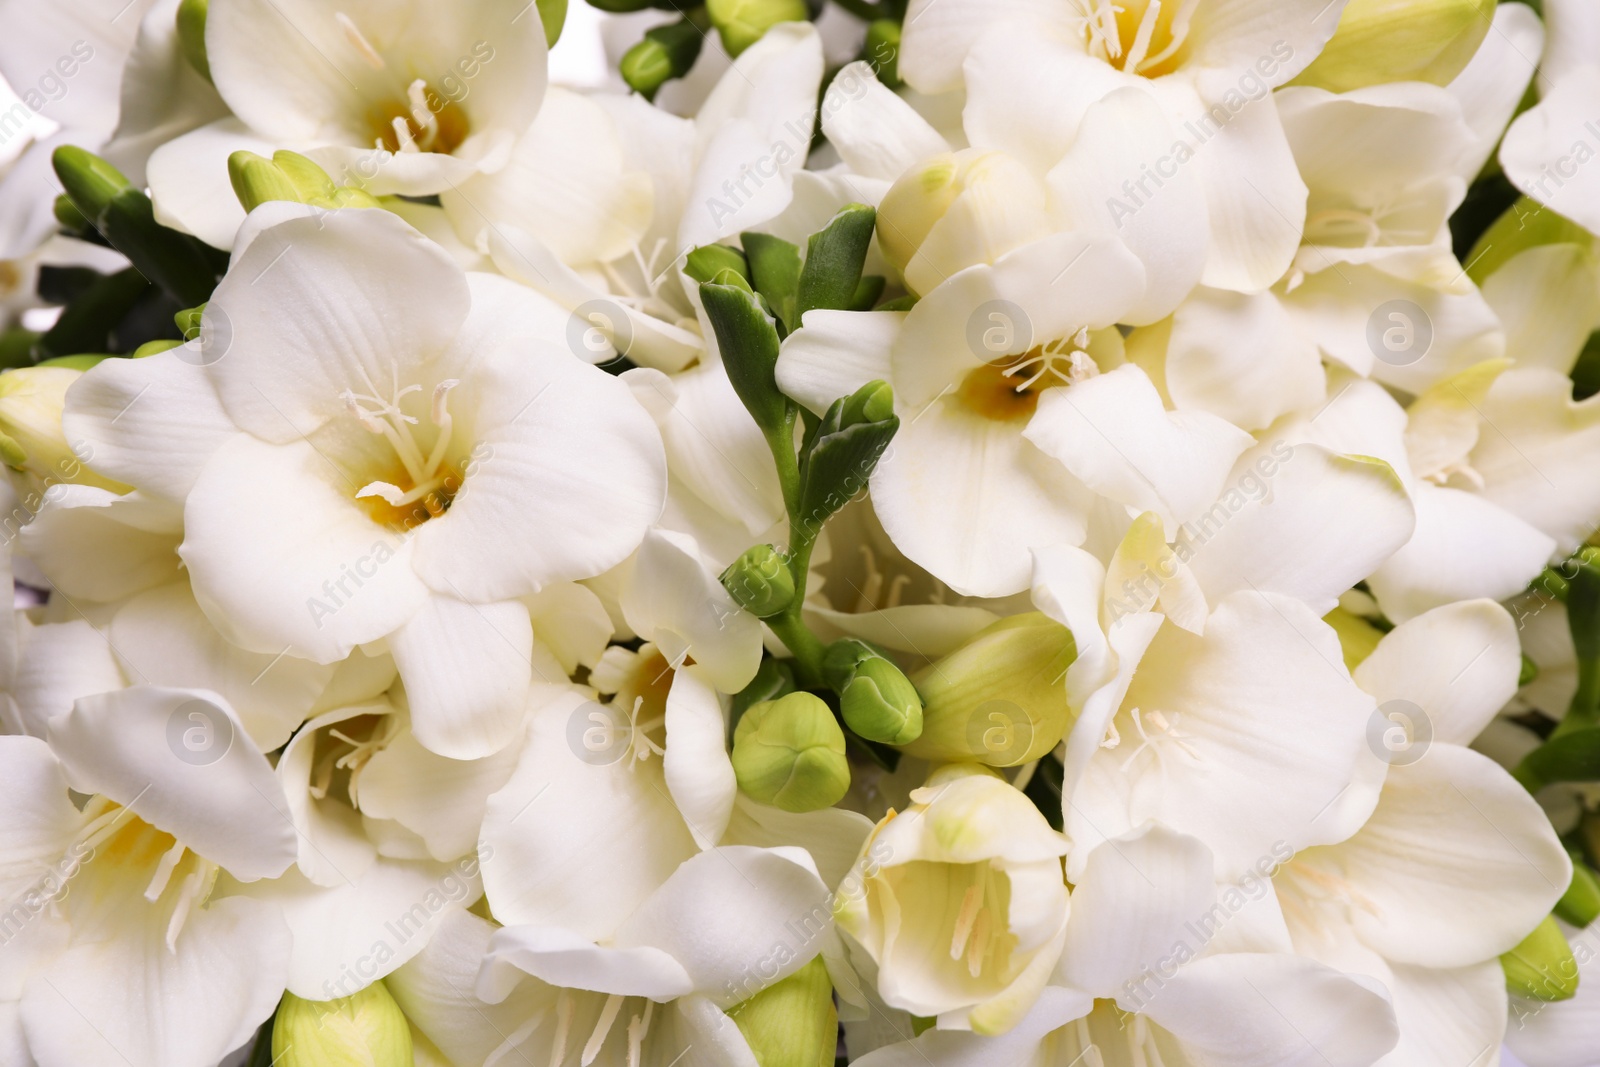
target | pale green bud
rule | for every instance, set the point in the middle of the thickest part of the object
(1357, 636)
(366, 1030)
(1542, 966)
(1381, 41)
(31, 436)
(192, 35)
(666, 52)
(956, 210)
(741, 23)
(308, 179)
(876, 698)
(1001, 698)
(709, 261)
(256, 180)
(90, 181)
(792, 1023)
(760, 582)
(873, 402)
(789, 753)
(1580, 904)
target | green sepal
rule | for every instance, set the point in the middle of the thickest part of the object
(840, 455)
(1580, 904)
(747, 337)
(708, 261)
(834, 258)
(553, 14)
(71, 219)
(793, 1021)
(899, 303)
(1542, 966)
(775, 273)
(191, 25)
(868, 290)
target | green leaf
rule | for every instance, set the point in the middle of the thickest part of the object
(775, 272)
(834, 257)
(89, 323)
(748, 340)
(1571, 757)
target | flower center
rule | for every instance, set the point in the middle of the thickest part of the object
(418, 119)
(1008, 389)
(566, 1010)
(343, 751)
(1105, 1029)
(1137, 36)
(1157, 731)
(425, 483)
(638, 280)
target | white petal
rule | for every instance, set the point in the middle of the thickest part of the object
(129, 999)
(939, 35)
(576, 844)
(1464, 547)
(1240, 357)
(699, 774)
(833, 836)
(1268, 1010)
(563, 958)
(43, 820)
(674, 600)
(1548, 301)
(1458, 663)
(571, 622)
(354, 933)
(720, 903)
(317, 576)
(466, 669)
(59, 662)
(834, 353)
(1531, 451)
(1450, 831)
(189, 181)
(1447, 1016)
(1545, 150)
(1113, 433)
(181, 761)
(1305, 523)
(324, 303)
(967, 497)
(94, 544)
(441, 800)
(878, 135)
(1130, 905)
(123, 413)
(1492, 84)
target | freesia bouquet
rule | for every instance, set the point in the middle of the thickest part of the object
(959, 533)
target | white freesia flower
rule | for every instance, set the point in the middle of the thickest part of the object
(960, 902)
(1456, 863)
(435, 459)
(1548, 150)
(1152, 122)
(1150, 974)
(134, 943)
(410, 101)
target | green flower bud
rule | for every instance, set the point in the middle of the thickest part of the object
(31, 436)
(1542, 966)
(257, 180)
(1580, 904)
(709, 261)
(151, 348)
(789, 753)
(1380, 41)
(1357, 636)
(882, 51)
(366, 1030)
(792, 1023)
(741, 23)
(192, 35)
(759, 581)
(188, 321)
(876, 698)
(69, 216)
(308, 179)
(873, 402)
(90, 181)
(1530, 671)
(774, 679)
(666, 52)
(1000, 699)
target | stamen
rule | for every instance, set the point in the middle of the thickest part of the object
(602, 1028)
(402, 134)
(558, 1049)
(639, 1027)
(1141, 39)
(353, 34)
(981, 930)
(1180, 33)
(163, 875)
(971, 902)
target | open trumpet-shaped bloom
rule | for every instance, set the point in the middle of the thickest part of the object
(383, 447)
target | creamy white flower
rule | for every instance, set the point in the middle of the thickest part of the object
(405, 444)
(1549, 150)
(1456, 862)
(132, 944)
(412, 100)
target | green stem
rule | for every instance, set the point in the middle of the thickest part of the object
(1584, 711)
